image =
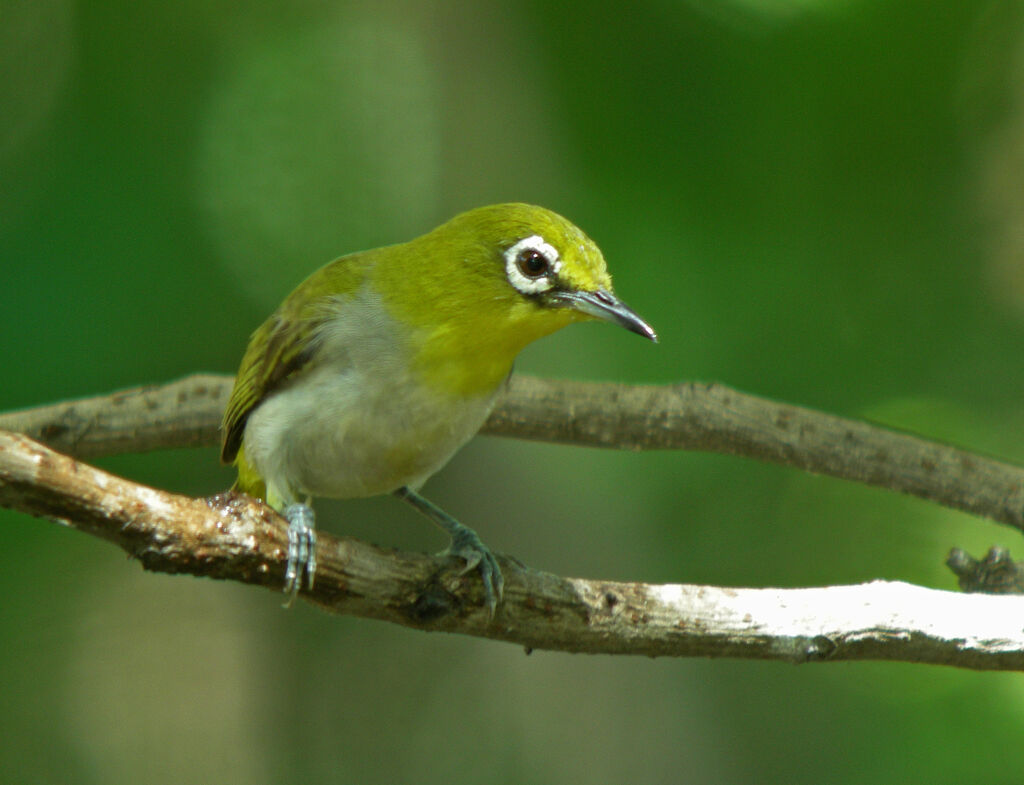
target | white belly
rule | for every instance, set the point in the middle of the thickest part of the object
(358, 423)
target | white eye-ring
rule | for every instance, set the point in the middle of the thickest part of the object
(532, 264)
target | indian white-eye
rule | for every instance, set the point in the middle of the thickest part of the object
(383, 363)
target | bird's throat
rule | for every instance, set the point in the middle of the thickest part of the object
(473, 357)
(455, 362)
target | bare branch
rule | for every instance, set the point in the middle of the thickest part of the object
(185, 413)
(691, 416)
(237, 538)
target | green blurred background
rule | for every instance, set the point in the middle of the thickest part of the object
(818, 201)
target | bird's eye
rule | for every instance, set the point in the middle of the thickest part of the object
(532, 263)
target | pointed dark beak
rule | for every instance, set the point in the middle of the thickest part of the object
(607, 307)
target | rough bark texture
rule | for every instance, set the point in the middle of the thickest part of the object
(237, 538)
(691, 416)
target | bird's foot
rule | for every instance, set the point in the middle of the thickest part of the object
(466, 544)
(301, 549)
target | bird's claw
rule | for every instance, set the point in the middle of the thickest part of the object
(465, 544)
(301, 550)
(468, 546)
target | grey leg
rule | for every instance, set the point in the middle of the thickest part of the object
(465, 544)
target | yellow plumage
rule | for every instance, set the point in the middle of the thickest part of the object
(381, 364)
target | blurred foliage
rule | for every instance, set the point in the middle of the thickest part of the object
(813, 200)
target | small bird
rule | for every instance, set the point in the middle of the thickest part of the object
(382, 364)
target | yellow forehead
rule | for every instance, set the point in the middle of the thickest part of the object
(500, 226)
(583, 266)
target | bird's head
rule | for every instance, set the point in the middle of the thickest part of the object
(494, 279)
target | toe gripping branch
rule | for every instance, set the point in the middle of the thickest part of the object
(301, 549)
(465, 544)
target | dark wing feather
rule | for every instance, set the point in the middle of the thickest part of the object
(287, 341)
(278, 349)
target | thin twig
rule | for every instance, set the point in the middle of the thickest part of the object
(237, 538)
(708, 417)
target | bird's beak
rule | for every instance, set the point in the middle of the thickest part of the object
(606, 306)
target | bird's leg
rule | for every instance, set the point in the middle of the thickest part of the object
(301, 549)
(466, 544)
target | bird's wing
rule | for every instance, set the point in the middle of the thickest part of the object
(278, 350)
(287, 341)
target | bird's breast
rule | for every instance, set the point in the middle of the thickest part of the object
(361, 420)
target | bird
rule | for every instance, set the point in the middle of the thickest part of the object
(379, 366)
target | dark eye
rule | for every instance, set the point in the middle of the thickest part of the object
(532, 263)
